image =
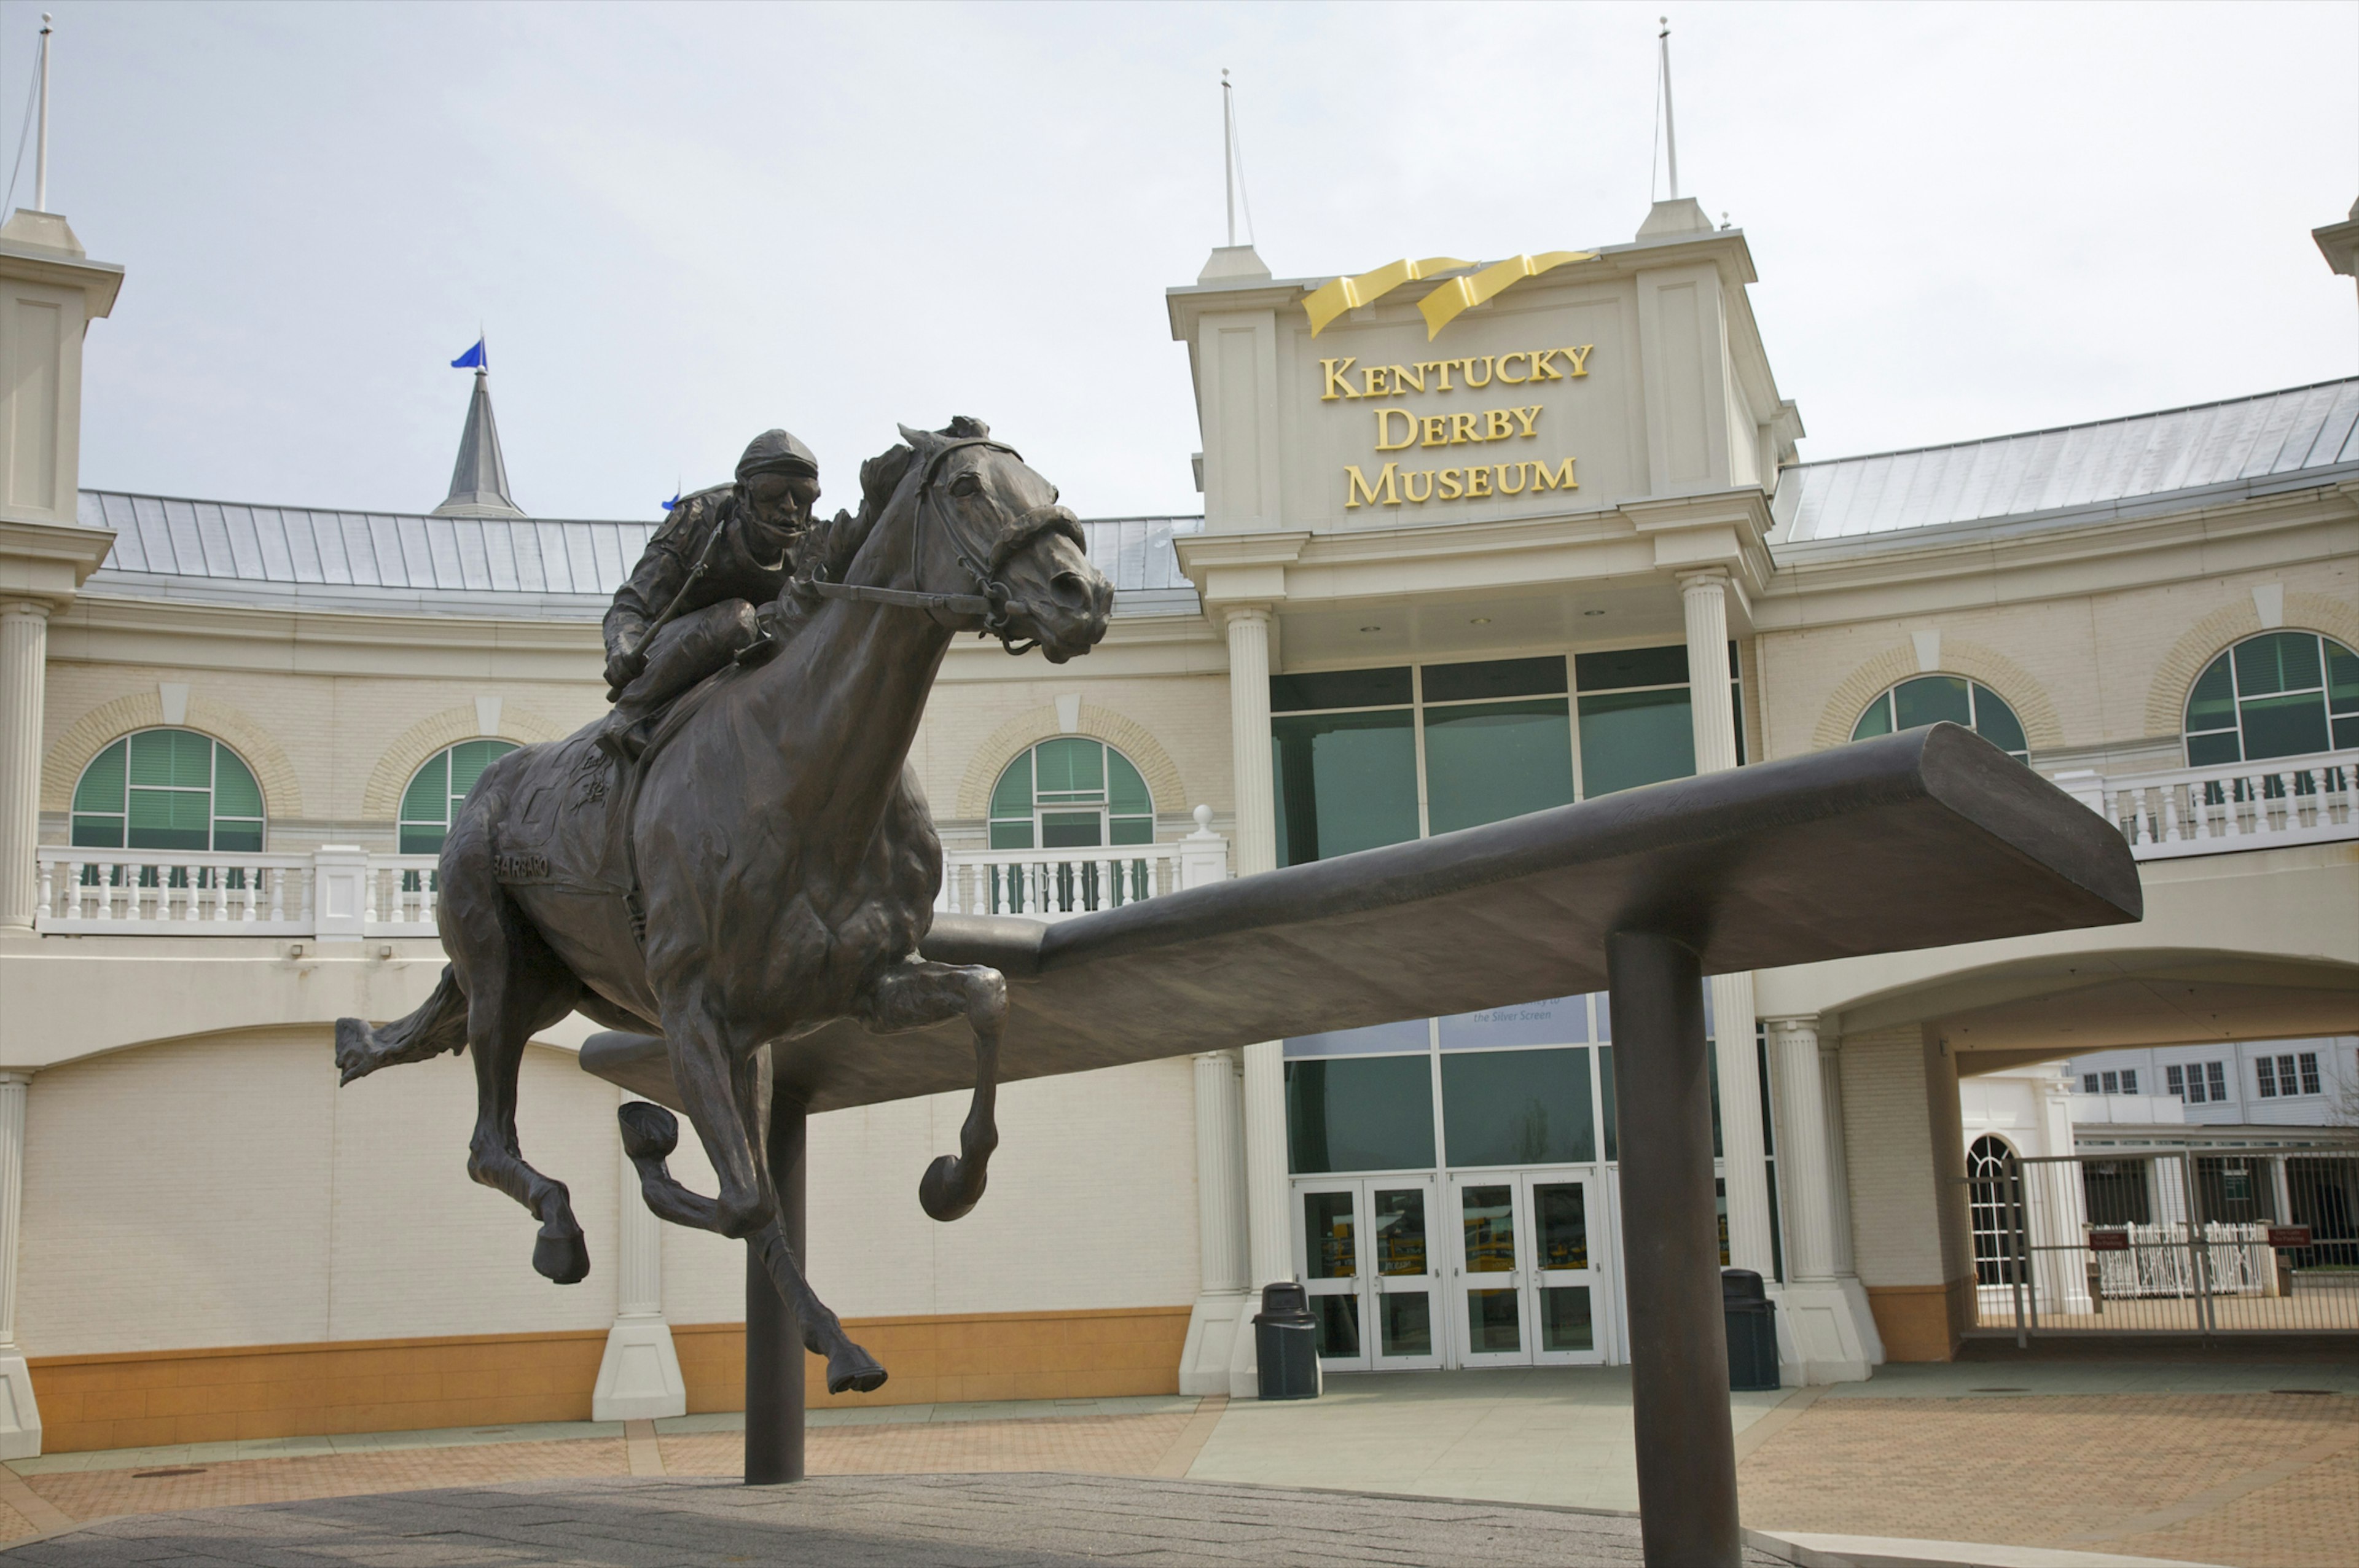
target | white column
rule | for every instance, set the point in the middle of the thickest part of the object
(1704, 595)
(1269, 1250)
(1805, 1171)
(20, 1414)
(24, 657)
(1827, 1333)
(1838, 1161)
(639, 1376)
(1221, 1297)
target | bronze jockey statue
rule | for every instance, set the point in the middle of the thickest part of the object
(690, 606)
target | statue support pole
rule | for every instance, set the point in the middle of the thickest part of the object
(1679, 1342)
(774, 1340)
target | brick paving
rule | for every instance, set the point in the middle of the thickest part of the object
(845, 1521)
(2072, 1471)
(2261, 1480)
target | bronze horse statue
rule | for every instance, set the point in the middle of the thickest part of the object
(772, 867)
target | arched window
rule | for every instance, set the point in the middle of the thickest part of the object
(437, 788)
(1929, 699)
(167, 789)
(2281, 694)
(1070, 794)
(1992, 1201)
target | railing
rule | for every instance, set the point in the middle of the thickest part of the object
(2218, 810)
(337, 891)
(1056, 884)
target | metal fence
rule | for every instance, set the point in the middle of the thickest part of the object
(2232, 1241)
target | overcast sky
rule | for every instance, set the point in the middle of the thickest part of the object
(682, 224)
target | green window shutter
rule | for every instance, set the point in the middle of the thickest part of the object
(2342, 679)
(2212, 706)
(2282, 661)
(169, 818)
(171, 758)
(1012, 835)
(1125, 790)
(1876, 720)
(98, 832)
(101, 788)
(1995, 722)
(468, 761)
(1069, 768)
(1012, 796)
(428, 798)
(421, 840)
(234, 792)
(1929, 700)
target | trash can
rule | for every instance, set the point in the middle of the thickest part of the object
(1286, 1344)
(1752, 1330)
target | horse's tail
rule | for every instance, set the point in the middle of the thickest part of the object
(440, 1024)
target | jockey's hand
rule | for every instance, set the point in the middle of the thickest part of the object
(625, 668)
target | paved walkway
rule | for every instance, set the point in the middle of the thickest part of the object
(902, 1521)
(2254, 1465)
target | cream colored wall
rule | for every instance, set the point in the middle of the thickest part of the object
(224, 1191)
(2099, 679)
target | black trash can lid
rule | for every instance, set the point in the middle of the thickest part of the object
(1284, 1302)
(1741, 1285)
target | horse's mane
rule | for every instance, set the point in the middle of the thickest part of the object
(834, 543)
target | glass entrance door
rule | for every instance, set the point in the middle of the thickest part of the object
(1364, 1251)
(1531, 1282)
(1486, 1290)
(1572, 1288)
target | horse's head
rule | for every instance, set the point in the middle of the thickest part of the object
(956, 512)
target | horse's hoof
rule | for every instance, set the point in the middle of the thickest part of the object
(649, 1131)
(944, 1190)
(353, 1057)
(851, 1370)
(563, 1259)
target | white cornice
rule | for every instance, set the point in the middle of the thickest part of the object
(49, 561)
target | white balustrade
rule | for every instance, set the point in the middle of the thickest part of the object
(2231, 806)
(1056, 884)
(165, 893)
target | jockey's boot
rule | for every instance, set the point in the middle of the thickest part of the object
(624, 732)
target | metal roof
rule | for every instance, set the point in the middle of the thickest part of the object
(2247, 446)
(379, 560)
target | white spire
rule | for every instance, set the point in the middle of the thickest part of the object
(1232, 260)
(41, 157)
(1670, 132)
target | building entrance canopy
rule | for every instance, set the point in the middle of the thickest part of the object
(1914, 840)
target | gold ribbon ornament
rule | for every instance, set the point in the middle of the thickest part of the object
(1332, 299)
(1445, 304)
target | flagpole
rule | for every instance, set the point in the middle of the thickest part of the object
(41, 158)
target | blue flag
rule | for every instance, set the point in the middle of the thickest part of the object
(473, 359)
(673, 501)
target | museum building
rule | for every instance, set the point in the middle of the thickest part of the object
(1476, 540)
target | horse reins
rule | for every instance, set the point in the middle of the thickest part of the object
(994, 601)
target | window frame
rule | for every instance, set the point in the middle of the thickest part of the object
(1975, 692)
(403, 823)
(1033, 822)
(2232, 734)
(77, 813)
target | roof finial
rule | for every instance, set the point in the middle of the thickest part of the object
(479, 480)
(1229, 152)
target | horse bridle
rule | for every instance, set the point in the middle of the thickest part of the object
(993, 600)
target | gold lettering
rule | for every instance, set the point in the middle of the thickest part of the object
(1461, 429)
(1471, 381)
(1450, 488)
(1373, 385)
(1513, 380)
(1542, 369)
(1355, 485)
(1580, 358)
(1437, 430)
(1402, 373)
(1336, 385)
(1498, 424)
(1384, 428)
(1408, 485)
(1561, 480)
(1439, 368)
(1519, 471)
(1527, 416)
(1478, 483)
